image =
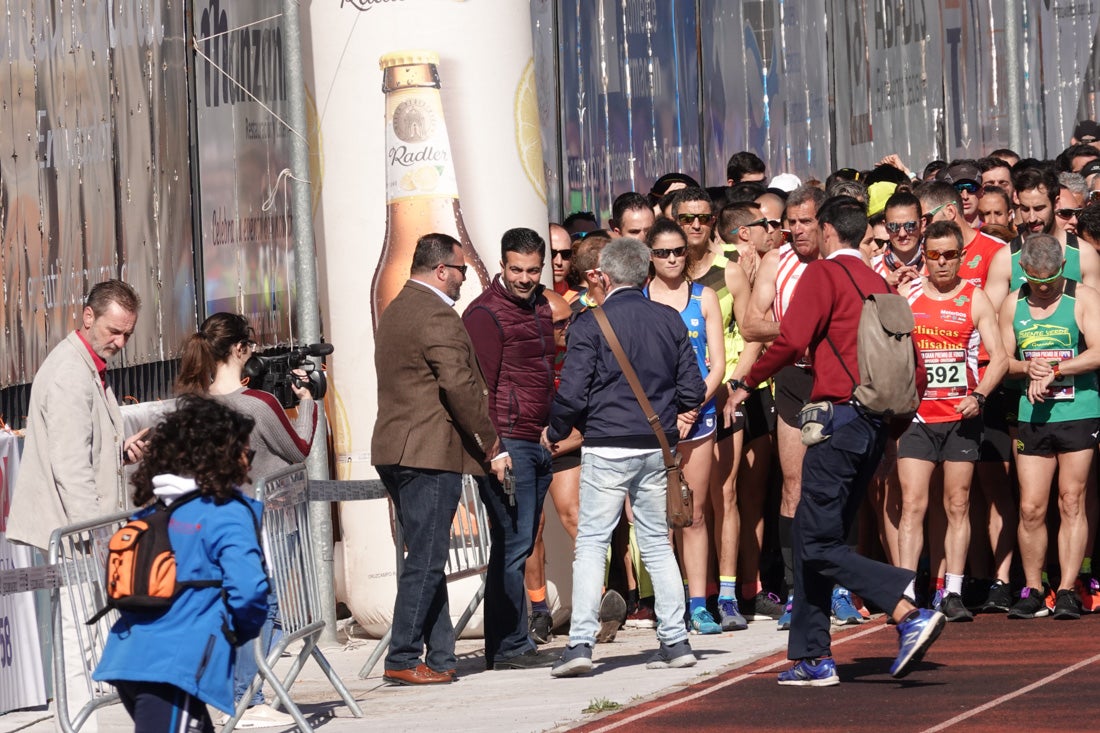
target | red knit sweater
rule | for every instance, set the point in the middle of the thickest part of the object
(825, 303)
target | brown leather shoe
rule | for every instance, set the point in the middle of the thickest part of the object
(421, 674)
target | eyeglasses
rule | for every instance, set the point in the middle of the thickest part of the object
(1093, 196)
(249, 455)
(968, 186)
(460, 268)
(881, 242)
(565, 254)
(1067, 213)
(664, 254)
(578, 236)
(946, 254)
(774, 223)
(561, 324)
(896, 226)
(931, 214)
(762, 222)
(686, 219)
(1042, 280)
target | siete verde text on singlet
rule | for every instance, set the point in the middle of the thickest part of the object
(1055, 338)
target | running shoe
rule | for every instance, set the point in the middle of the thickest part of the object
(1067, 607)
(999, 598)
(575, 660)
(954, 609)
(844, 611)
(1088, 591)
(703, 623)
(937, 600)
(730, 615)
(915, 635)
(674, 655)
(764, 607)
(785, 620)
(612, 614)
(1030, 605)
(642, 617)
(810, 673)
(541, 626)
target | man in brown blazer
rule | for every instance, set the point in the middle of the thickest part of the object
(433, 426)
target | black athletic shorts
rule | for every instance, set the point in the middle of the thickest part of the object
(793, 386)
(565, 461)
(1048, 439)
(942, 441)
(759, 409)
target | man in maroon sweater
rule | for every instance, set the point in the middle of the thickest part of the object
(836, 471)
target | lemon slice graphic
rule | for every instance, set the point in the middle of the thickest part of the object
(528, 133)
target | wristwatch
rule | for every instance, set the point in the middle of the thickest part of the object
(979, 398)
(737, 384)
(1056, 367)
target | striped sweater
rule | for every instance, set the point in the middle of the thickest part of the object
(278, 441)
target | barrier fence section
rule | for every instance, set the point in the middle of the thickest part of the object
(469, 556)
(292, 567)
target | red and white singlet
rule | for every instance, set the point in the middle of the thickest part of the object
(948, 341)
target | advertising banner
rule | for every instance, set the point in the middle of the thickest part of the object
(243, 161)
(94, 173)
(427, 120)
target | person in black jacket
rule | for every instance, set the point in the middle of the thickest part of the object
(621, 455)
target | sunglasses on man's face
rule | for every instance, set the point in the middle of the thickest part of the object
(968, 187)
(1067, 213)
(565, 254)
(944, 254)
(686, 219)
(896, 226)
(664, 254)
(1035, 280)
(762, 222)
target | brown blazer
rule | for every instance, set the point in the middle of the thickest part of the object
(433, 405)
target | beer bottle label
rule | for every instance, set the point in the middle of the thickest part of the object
(418, 152)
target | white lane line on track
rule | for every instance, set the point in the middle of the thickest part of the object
(1011, 695)
(724, 684)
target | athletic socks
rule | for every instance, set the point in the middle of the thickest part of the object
(727, 586)
(954, 584)
(537, 596)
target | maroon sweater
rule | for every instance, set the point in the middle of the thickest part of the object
(826, 303)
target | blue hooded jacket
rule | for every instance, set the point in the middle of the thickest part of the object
(185, 645)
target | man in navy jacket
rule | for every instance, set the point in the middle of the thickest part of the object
(621, 455)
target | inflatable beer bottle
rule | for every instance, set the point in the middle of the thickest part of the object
(421, 190)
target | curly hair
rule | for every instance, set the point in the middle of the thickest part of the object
(201, 439)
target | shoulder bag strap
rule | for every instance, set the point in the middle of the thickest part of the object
(651, 417)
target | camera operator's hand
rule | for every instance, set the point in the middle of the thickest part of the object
(298, 386)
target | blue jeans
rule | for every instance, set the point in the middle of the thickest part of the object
(246, 667)
(605, 484)
(425, 503)
(512, 530)
(835, 475)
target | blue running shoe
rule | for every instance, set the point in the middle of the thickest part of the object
(914, 638)
(730, 615)
(808, 673)
(703, 623)
(785, 619)
(937, 600)
(844, 611)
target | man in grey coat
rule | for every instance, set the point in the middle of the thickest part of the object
(71, 470)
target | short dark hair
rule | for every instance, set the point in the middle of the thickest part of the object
(579, 216)
(998, 191)
(938, 193)
(523, 241)
(103, 294)
(741, 163)
(745, 191)
(689, 194)
(1088, 221)
(990, 162)
(902, 199)
(1032, 177)
(625, 202)
(201, 439)
(847, 216)
(942, 230)
(432, 250)
(733, 216)
(1079, 150)
(1004, 154)
(663, 226)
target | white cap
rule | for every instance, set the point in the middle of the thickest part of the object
(785, 182)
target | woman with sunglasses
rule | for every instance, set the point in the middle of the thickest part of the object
(699, 309)
(213, 364)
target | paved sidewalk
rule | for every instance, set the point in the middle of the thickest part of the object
(512, 700)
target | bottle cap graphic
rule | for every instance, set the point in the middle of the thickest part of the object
(408, 58)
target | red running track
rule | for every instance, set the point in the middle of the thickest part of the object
(990, 675)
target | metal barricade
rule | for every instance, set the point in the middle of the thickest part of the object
(79, 554)
(469, 556)
(292, 567)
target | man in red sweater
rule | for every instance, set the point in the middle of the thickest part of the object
(836, 471)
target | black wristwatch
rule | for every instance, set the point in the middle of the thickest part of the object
(737, 384)
(979, 398)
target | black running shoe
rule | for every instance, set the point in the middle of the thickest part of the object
(999, 599)
(541, 625)
(1031, 605)
(1066, 605)
(954, 609)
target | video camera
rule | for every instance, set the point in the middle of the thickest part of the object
(272, 370)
